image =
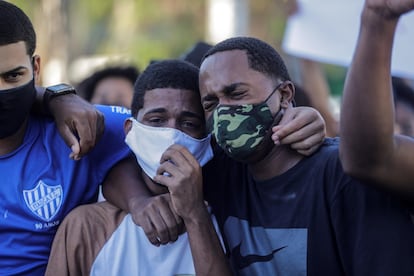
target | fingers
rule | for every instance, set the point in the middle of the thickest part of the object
(71, 140)
(75, 151)
(150, 232)
(100, 125)
(176, 162)
(173, 226)
(304, 131)
(160, 224)
(309, 145)
(288, 125)
(179, 154)
(310, 151)
(181, 173)
(304, 137)
(79, 122)
(79, 145)
(86, 133)
(282, 132)
(90, 131)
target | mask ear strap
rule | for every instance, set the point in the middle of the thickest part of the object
(274, 90)
(278, 117)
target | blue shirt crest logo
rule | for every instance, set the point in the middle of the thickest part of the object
(44, 201)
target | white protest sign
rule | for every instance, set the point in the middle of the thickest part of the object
(327, 30)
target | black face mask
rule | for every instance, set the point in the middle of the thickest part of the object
(15, 106)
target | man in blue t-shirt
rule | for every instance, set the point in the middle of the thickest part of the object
(39, 183)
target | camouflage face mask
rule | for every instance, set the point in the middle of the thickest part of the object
(239, 129)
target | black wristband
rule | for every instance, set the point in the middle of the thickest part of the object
(55, 91)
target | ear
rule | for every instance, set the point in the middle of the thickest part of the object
(127, 126)
(287, 92)
(36, 68)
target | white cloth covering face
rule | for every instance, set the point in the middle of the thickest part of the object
(149, 143)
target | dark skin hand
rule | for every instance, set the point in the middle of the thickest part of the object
(302, 128)
(184, 180)
(154, 213)
(185, 183)
(157, 218)
(80, 124)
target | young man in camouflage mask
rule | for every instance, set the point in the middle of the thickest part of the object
(281, 213)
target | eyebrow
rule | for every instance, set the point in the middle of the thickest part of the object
(13, 70)
(230, 88)
(227, 89)
(184, 113)
(193, 115)
(156, 110)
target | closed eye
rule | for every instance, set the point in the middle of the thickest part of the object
(237, 95)
(209, 105)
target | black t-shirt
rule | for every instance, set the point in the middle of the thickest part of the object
(311, 220)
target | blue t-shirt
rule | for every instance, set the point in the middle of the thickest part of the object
(40, 184)
(311, 220)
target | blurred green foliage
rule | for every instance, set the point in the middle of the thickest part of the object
(143, 30)
(336, 78)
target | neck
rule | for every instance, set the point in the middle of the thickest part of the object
(11, 143)
(279, 160)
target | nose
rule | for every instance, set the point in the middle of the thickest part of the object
(172, 123)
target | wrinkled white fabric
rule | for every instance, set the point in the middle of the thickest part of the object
(149, 143)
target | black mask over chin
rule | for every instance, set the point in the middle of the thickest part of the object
(15, 106)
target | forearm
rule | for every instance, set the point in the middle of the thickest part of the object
(367, 108)
(208, 255)
(368, 148)
(124, 186)
(38, 107)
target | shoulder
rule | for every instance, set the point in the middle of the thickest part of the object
(114, 121)
(328, 155)
(330, 146)
(114, 113)
(111, 147)
(326, 158)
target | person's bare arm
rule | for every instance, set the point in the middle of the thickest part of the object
(184, 181)
(125, 188)
(80, 124)
(368, 147)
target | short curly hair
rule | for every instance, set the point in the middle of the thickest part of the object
(261, 56)
(15, 26)
(173, 73)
